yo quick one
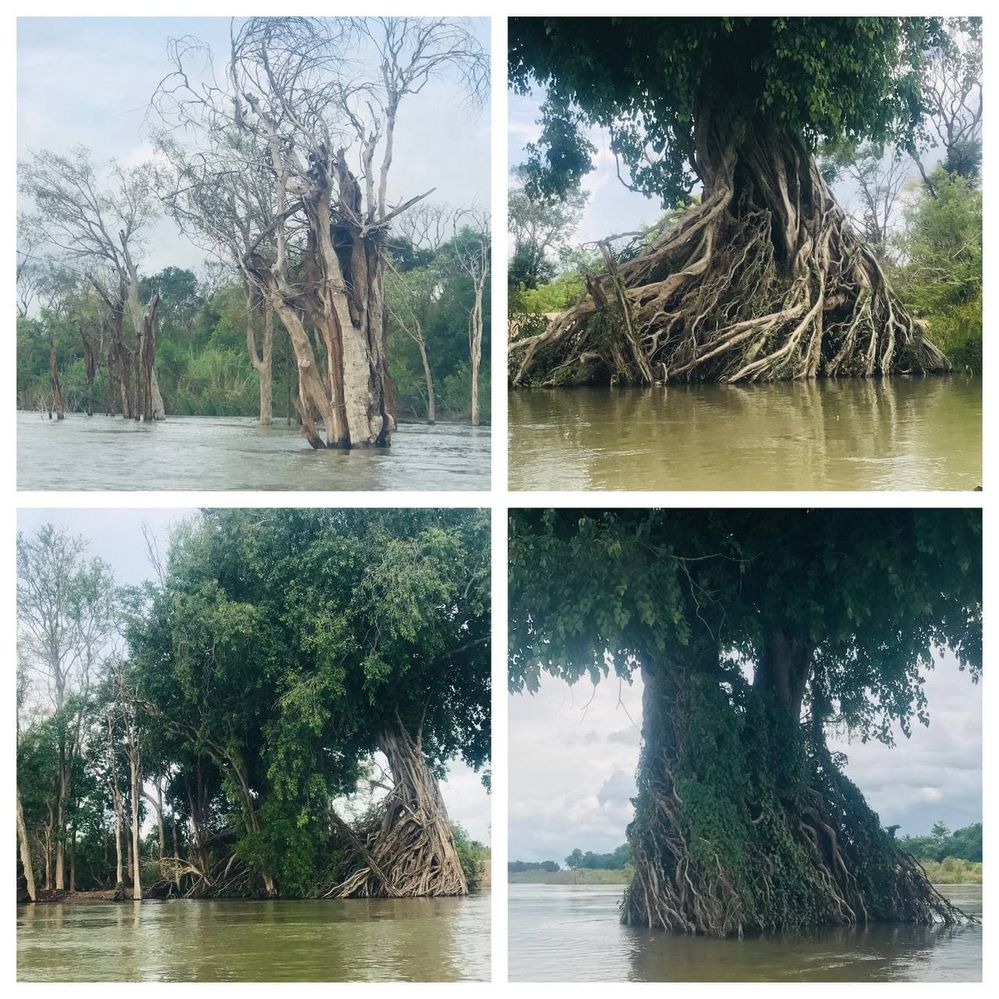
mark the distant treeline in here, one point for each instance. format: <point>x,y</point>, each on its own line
<point>202,361</point>
<point>524,866</point>
<point>578,861</point>
<point>940,843</point>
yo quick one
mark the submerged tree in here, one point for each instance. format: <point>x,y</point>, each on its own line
<point>287,165</point>
<point>753,632</point>
<point>282,650</point>
<point>761,277</point>
<point>100,226</point>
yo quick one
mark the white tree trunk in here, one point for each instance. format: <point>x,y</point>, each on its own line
<point>24,846</point>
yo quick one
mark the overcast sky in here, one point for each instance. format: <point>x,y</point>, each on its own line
<point>88,81</point>
<point>574,752</point>
<point>116,536</point>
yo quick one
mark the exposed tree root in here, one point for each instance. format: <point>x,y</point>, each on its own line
<point>769,835</point>
<point>408,850</point>
<point>763,280</point>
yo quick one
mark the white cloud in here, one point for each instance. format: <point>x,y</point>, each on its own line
<point>574,751</point>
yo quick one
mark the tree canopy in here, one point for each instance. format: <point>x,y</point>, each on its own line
<point>651,80</point>
<point>274,657</point>
<point>871,594</point>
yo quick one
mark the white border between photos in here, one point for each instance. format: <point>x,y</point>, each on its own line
<point>499,498</point>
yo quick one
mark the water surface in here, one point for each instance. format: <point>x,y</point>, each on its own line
<point>572,933</point>
<point>857,433</point>
<point>416,939</point>
<point>200,452</point>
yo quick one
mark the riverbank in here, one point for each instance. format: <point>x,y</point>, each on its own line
<point>596,876</point>
<point>953,871</point>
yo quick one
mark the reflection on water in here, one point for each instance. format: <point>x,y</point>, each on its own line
<point>901,433</point>
<point>443,939</point>
<point>195,452</point>
<point>572,933</point>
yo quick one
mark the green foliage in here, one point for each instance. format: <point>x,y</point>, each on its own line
<point>426,290</point>
<point>653,79</point>
<point>202,363</point>
<point>541,227</point>
<point>752,630</point>
<point>524,866</point>
<point>941,279</point>
<point>556,296</point>
<point>542,874</point>
<point>614,861</point>
<point>871,593</point>
<point>474,857</point>
<point>285,642</point>
<point>941,843</point>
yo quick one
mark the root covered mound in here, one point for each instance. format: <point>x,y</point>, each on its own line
<point>749,825</point>
<point>409,849</point>
<point>763,280</point>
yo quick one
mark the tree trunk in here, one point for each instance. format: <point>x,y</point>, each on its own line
<point>429,379</point>
<point>60,819</point>
<point>262,362</point>
<point>159,818</point>
<point>57,404</point>
<point>344,303</point>
<point>134,767</point>
<point>24,846</point>
<point>48,851</point>
<point>72,851</point>
<point>119,810</point>
<point>744,821</point>
<point>475,346</point>
<point>412,852</point>
<point>90,369</point>
<point>144,322</point>
<point>152,405</point>
<point>763,279</point>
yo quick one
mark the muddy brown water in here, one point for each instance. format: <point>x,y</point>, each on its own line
<point>222,453</point>
<point>572,933</point>
<point>422,939</point>
<point>846,434</point>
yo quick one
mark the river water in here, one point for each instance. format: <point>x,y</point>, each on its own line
<point>572,933</point>
<point>849,434</point>
<point>197,452</point>
<point>419,939</point>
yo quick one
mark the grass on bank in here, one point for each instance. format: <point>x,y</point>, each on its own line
<point>953,871</point>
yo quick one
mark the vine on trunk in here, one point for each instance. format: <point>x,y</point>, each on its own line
<point>745,822</point>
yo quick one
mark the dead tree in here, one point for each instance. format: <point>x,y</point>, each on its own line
<point>96,225</point>
<point>287,164</point>
<point>954,95</point>
<point>472,249</point>
<point>262,359</point>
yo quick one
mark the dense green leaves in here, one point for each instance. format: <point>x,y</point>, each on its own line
<point>655,81</point>
<point>263,669</point>
<point>285,642</point>
<point>941,276</point>
<point>868,595</point>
